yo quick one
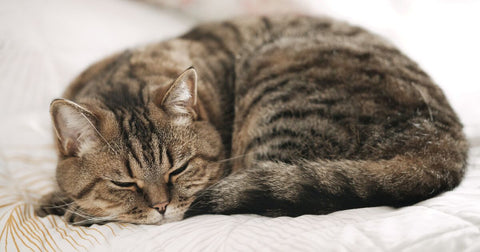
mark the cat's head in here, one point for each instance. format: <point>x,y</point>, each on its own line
<point>139,164</point>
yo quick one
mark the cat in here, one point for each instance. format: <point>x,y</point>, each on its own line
<point>278,116</point>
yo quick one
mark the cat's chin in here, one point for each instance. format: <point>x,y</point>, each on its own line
<point>152,218</point>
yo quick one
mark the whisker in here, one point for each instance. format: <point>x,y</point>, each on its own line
<point>88,219</point>
<point>93,220</point>
<point>55,206</point>
<point>84,215</point>
<point>101,136</point>
<point>233,158</point>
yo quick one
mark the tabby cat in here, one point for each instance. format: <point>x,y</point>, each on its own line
<point>281,115</point>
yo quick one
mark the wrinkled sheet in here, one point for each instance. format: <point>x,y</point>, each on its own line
<point>44,44</point>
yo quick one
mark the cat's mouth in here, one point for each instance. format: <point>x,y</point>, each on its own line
<point>153,217</point>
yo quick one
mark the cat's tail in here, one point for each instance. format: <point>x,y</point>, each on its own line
<point>321,186</point>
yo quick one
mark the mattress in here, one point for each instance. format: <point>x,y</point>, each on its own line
<point>44,44</point>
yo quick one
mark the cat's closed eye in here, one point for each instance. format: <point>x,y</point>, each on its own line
<point>178,171</point>
<point>124,184</point>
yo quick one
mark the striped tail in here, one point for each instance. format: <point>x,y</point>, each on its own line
<point>319,187</point>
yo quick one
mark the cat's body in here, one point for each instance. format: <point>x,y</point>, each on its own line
<point>294,115</point>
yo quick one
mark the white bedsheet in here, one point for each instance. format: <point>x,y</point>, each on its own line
<point>44,44</point>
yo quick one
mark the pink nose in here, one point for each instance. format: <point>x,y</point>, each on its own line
<point>161,207</point>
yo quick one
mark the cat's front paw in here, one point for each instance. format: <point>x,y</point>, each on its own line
<point>58,204</point>
<point>54,203</point>
<point>74,216</point>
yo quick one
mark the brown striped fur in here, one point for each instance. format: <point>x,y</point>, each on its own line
<point>283,115</point>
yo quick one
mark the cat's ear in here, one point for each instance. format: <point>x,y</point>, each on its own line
<point>74,126</point>
<point>180,98</point>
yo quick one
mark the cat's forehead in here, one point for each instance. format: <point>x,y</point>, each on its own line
<point>149,141</point>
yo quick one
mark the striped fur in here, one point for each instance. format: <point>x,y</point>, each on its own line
<point>289,115</point>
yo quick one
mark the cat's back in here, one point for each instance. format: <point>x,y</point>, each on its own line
<point>309,88</point>
<point>337,89</point>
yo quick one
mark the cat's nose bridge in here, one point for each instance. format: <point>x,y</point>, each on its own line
<point>157,194</point>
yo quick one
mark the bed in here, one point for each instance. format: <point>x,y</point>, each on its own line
<point>44,44</point>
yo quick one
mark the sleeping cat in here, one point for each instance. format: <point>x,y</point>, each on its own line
<point>281,115</point>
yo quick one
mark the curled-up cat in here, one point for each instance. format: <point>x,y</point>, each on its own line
<point>281,115</point>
